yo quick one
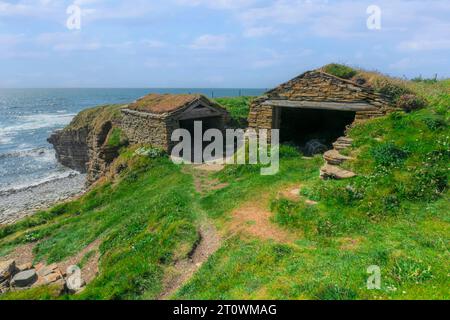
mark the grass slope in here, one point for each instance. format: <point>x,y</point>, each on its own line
<point>394,215</point>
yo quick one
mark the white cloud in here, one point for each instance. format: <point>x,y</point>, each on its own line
<point>218,4</point>
<point>256,32</point>
<point>210,42</point>
<point>425,45</point>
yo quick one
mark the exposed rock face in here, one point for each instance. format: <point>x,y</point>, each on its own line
<point>83,145</point>
<point>71,148</point>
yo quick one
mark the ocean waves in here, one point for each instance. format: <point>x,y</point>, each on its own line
<point>34,122</point>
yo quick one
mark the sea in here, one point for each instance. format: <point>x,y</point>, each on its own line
<point>29,116</point>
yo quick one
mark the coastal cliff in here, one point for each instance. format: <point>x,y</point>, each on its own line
<point>91,141</point>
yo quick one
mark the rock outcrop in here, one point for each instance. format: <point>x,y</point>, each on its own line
<point>71,148</point>
<point>84,145</point>
<point>28,276</point>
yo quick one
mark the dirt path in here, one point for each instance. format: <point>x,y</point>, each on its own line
<point>203,181</point>
<point>209,239</point>
<point>183,270</point>
<point>254,219</point>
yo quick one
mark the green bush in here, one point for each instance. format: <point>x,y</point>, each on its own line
<point>388,155</point>
<point>289,151</point>
<point>391,89</point>
<point>435,123</point>
<point>340,70</point>
<point>410,102</point>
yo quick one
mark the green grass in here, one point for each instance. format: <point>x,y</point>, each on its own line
<point>340,70</point>
<point>238,107</point>
<point>115,138</point>
<point>145,219</point>
<point>394,215</point>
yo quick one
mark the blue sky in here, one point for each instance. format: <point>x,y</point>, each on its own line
<point>215,43</point>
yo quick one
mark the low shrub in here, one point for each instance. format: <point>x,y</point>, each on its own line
<point>340,70</point>
<point>391,89</point>
<point>289,151</point>
<point>435,123</point>
<point>410,102</point>
<point>388,155</point>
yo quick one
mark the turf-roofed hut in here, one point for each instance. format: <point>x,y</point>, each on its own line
<point>153,118</point>
<point>316,105</point>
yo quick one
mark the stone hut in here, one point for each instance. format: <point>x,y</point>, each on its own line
<point>315,105</point>
<point>153,118</point>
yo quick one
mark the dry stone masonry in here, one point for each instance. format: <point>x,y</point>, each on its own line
<point>320,91</point>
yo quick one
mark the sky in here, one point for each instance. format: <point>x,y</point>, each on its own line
<point>215,43</point>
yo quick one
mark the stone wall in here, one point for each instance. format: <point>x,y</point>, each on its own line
<point>318,87</point>
<point>141,127</point>
<point>260,116</point>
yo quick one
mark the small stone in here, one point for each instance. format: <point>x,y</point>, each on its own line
<point>7,269</point>
<point>25,266</point>
<point>24,279</point>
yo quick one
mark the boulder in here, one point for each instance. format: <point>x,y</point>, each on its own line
<point>7,269</point>
<point>24,279</point>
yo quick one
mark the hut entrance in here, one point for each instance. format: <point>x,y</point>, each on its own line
<point>312,130</point>
<point>207,123</point>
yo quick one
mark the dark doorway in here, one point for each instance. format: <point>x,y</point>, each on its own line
<point>207,123</point>
<point>312,130</point>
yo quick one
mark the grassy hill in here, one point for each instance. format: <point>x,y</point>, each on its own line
<point>323,236</point>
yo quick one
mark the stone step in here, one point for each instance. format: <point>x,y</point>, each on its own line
<point>333,157</point>
<point>334,172</point>
<point>345,140</point>
<point>341,146</point>
<point>342,143</point>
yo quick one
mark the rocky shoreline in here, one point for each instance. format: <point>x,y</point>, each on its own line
<point>18,204</point>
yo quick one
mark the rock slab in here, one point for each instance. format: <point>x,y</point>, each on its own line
<point>24,279</point>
